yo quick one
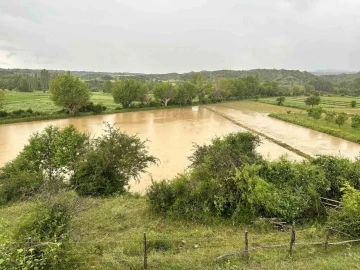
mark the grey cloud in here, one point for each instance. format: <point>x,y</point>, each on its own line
<point>165,36</point>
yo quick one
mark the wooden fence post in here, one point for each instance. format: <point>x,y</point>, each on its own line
<point>326,243</point>
<point>145,252</point>
<point>29,244</point>
<point>292,238</point>
<point>246,247</point>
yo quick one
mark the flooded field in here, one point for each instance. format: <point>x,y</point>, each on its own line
<point>171,134</point>
<point>307,140</point>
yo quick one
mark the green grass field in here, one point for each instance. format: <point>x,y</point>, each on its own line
<point>39,101</point>
<point>108,234</point>
<point>335,103</point>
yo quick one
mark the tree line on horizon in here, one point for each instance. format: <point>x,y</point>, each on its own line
<point>290,82</point>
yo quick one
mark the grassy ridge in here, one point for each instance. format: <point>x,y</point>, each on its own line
<point>108,233</point>
<point>345,132</point>
<point>39,101</point>
<point>336,103</point>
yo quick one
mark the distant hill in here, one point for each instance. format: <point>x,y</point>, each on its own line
<point>322,72</point>
<point>341,77</point>
<point>283,76</point>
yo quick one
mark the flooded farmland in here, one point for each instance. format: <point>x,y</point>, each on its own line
<point>171,134</point>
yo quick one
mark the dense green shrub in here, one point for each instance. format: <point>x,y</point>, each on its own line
<point>228,180</point>
<point>91,107</point>
<point>271,189</point>
<point>110,162</point>
<point>330,116</point>
<point>315,112</point>
<point>224,154</point>
<point>347,218</point>
<point>338,171</point>
<point>45,229</point>
<point>341,119</point>
<point>3,113</point>
<point>355,121</point>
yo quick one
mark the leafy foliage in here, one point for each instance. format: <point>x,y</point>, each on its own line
<point>347,219</point>
<point>330,116</point>
<point>355,121</point>
<point>107,86</point>
<point>228,181</point>
<point>341,118</point>
<point>312,100</point>
<point>315,112</point>
<point>280,100</point>
<point>164,92</point>
<point>185,93</point>
<point>225,154</point>
<point>43,163</point>
<point>69,92</point>
<point>126,91</point>
<point>112,161</point>
<point>2,98</point>
<point>45,229</point>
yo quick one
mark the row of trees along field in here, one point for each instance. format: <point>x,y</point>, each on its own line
<point>289,82</point>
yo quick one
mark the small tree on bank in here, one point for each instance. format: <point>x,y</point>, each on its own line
<point>341,119</point>
<point>353,103</point>
<point>69,92</point>
<point>280,100</point>
<point>355,121</point>
<point>312,100</point>
<point>315,112</point>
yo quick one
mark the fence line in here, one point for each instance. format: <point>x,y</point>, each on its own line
<point>293,242</point>
<point>146,244</point>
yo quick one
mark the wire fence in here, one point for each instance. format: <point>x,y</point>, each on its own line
<point>130,253</point>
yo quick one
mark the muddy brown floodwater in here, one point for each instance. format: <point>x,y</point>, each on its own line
<point>307,140</point>
<point>171,134</point>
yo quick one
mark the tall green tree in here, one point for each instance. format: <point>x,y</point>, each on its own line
<point>252,86</point>
<point>126,91</point>
<point>222,88</point>
<point>69,92</point>
<point>186,92</point>
<point>25,85</point>
<point>44,80</point>
<point>107,86</point>
<point>312,100</point>
<point>2,98</point>
<point>356,83</point>
<point>144,94</point>
<point>238,89</point>
<point>202,85</point>
<point>164,91</point>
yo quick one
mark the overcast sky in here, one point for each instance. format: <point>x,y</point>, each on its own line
<point>160,36</point>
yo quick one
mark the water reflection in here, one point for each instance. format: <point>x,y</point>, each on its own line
<point>170,134</point>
